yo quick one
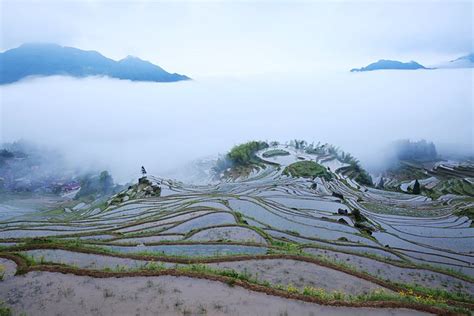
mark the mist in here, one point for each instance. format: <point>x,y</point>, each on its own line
<point>120,125</point>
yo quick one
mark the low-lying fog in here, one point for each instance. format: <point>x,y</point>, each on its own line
<point>121,125</point>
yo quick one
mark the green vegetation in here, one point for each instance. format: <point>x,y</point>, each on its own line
<point>455,186</point>
<point>244,154</point>
<point>298,144</point>
<point>415,150</point>
<point>96,185</point>
<point>407,294</point>
<point>440,294</point>
<point>405,171</point>
<point>240,218</point>
<point>359,174</point>
<point>416,187</point>
<point>307,169</point>
<point>141,218</point>
<point>353,171</point>
<point>275,152</point>
<point>468,212</point>
<point>358,217</point>
<point>4,310</point>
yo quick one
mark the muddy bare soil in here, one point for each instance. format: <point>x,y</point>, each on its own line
<point>45,293</point>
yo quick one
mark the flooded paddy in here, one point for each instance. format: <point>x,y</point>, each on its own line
<point>67,294</point>
<point>191,250</point>
<point>229,233</point>
<point>83,260</point>
<point>384,270</point>
<point>300,274</point>
<point>262,214</point>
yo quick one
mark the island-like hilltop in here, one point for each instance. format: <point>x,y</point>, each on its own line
<point>390,64</point>
<point>52,59</point>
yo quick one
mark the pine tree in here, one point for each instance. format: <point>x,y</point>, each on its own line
<point>143,171</point>
<point>416,187</point>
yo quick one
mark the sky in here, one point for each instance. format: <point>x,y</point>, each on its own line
<point>262,70</point>
<point>239,38</point>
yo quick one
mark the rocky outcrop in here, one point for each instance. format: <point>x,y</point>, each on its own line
<point>143,189</point>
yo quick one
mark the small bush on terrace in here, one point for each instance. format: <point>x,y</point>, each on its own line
<point>307,169</point>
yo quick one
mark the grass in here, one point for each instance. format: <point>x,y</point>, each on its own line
<point>307,169</point>
<point>439,294</point>
<point>468,212</point>
<point>275,152</point>
<point>5,310</point>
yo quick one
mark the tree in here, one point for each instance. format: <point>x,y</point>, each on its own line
<point>381,184</point>
<point>143,171</point>
<point>416,187</point>
<point>106,182</point>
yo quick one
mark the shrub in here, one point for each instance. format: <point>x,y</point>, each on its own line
<point>240,155</point>
<point>275,152</point>
<point>307,169</point>
<point>244,154</point>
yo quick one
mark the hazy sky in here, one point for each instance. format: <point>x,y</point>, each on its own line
<point>234,38</point>
<point>275,71</point>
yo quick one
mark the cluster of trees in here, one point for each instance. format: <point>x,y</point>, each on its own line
<point>417,151</point>
<point>358,173</point>
<point>298,144</point>
<point>96,185</point>
<point>244,154</point>
<point>240,155</point>
<point>361,175</point>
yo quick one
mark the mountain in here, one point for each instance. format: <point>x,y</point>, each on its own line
<point>390,64</point>
<point>461,62</point>
<point>52,59</point>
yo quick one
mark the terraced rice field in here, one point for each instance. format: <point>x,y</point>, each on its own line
<point>217,249</point>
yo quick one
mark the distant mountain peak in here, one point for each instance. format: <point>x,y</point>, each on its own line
<point>466,61</point>
<point>469,57</point>
<point>131,57</point>
<point>48,59</point>
<point>386,64</point>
